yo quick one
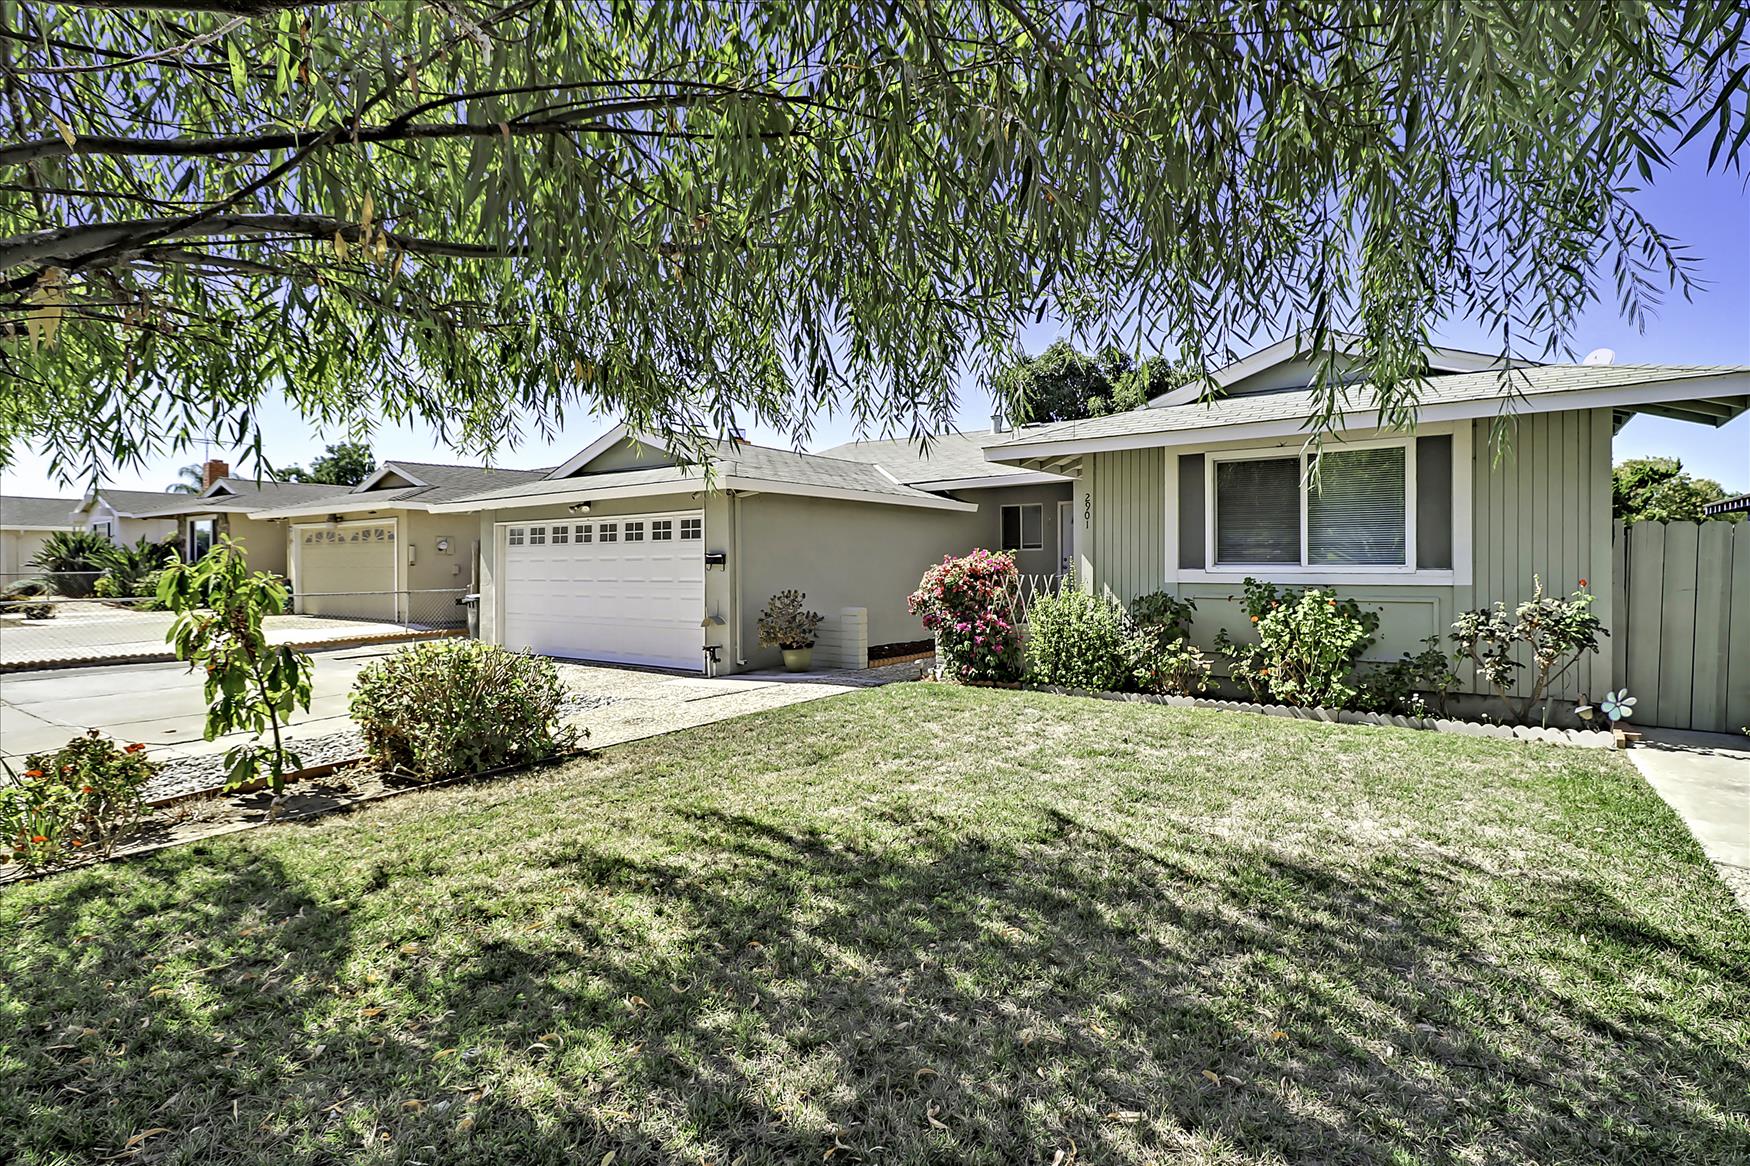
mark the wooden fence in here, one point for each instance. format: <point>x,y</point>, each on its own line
<point>1682,640</point>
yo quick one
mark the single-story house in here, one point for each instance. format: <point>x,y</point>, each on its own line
<point>1192,495</point>
<point>627,554</point>
<point>127,516</point>
<point>24,525</point>
<point>381,550</point>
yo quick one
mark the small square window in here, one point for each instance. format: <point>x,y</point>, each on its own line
<point>1023,527</point>
<point>515,537</point>
<point>561,535</point>
<point>662,530</point>
<point>537,536</point>
<point>692,528</point>
<point>634,532</point>
<point>610,532</point>
<point>585,532</point>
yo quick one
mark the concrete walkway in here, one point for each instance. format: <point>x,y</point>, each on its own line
<point>1705,777</point>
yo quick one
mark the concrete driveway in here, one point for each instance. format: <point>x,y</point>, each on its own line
<point>160,704</point>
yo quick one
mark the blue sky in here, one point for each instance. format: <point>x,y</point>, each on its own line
<point>1708,212</point>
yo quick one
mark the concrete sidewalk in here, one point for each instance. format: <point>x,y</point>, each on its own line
<point>1705,777</point>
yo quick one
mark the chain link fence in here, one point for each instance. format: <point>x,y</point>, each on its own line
<point>46,627</point>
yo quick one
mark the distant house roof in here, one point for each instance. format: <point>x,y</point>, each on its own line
<point>19,513</point>
<point>1737,505</point>
<point>426,484</point>
<point>732,465</point>
<point>1713,394</point>
<point>249,494</point>
<point>142,503</point>
<point>952,461</point>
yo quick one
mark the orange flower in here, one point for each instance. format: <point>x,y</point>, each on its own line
<point>87,789</point>
<point>134,748</point>
<point>1582,582</point>
<point>33,773</point>
<point>1254,619</point>
<point>39,838</point>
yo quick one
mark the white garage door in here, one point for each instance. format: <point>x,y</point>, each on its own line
<point>346,569</point>
<point>630,589</point>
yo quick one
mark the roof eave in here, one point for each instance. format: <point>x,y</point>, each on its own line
<point>1732,385</point>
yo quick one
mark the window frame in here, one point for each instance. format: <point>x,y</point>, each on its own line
<point>1021,525</point>
<point>211,525</point>
<point>1305,570</point>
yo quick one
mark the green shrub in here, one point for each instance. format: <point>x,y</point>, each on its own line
<point>1309,644</point>
<point>72,560</point>
<point>1167,616</point>
<point>87,796</point>
<point>1176,667</point>
<point>1414,685</point>
<point>1555,630</point>
<point>1079,640</point>
<point>135,572</point>
<point>453,707</point>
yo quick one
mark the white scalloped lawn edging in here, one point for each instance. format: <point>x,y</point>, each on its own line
<point>1572,738</point>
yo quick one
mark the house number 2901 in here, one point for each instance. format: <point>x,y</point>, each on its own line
<point>1088,511</point>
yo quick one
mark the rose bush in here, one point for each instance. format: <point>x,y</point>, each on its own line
<point>967,602</point>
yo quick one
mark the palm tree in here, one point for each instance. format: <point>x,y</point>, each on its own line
<point>189,480</point>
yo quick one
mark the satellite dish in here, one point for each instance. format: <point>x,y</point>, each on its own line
<point>1600,356</point>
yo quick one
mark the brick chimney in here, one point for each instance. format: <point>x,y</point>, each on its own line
<point>213,471</point>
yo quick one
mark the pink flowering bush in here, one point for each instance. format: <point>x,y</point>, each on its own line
<point>967,603</point>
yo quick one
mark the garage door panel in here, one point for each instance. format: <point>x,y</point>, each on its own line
<point>636,602</point>
<point>347,571</point>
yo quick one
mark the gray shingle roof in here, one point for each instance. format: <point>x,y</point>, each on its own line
<point>444,483</point>
<point>146,503</point>
<point>20,513</point>
<point>252,495</point>
<point>754,463</point>
<point>949,458</point>
<point>1300,403</point>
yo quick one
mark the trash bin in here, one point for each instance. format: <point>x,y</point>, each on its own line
<point>471,602</point>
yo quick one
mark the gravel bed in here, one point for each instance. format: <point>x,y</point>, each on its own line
<point>185,775</point>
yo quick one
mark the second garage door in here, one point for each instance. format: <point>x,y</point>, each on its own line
<point>346,569</point>
<point>629,589</point>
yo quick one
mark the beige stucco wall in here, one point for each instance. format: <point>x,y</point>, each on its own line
<point>1539,505</point>
<point>17,548</point>
<point>264,541</point>
<point>841,553</point>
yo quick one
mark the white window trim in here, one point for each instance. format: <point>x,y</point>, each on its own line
<point>1345,573</point>
<point>1021,524</point>
<point>211,521</point>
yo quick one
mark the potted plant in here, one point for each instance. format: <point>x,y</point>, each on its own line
<point>786,625</point>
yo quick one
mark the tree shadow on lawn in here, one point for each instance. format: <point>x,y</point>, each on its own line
<point>768,993</point>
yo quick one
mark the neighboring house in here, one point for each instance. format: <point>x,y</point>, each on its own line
<point>127,516</point>
<point>625,554</point>
<point>1195,496</point>
<point>379,550</point>
<point>24,524</point>
<point>1740,504</point>
<point>224,509</point>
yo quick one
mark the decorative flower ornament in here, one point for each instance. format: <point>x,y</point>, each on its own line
<point>1618,705</point>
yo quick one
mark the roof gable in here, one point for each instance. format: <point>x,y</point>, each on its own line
<point>1292,363</point>
<point>620,448</point>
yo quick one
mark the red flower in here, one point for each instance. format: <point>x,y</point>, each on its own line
<point>33,773</point>
<point>87,789</point>
<point>39,838</point>
<point>1582,582</point>
<point>134,748</point>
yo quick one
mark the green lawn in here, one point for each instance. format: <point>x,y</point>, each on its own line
<point>913,924</point>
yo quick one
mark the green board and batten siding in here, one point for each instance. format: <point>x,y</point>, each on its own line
<point>1540,506</point>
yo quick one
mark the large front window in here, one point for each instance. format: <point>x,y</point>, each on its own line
<point>1352,512</point>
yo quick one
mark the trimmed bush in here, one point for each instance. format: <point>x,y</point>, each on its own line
<point>1176,667</point>
<point>454,707</point>
<point>85,797</point>
<point>967,602</point>
<point>1556,631</point>
<point>1080,640</point>
<point>1166,616</point>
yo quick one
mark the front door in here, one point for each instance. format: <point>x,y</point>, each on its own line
<point>1066,538</point>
